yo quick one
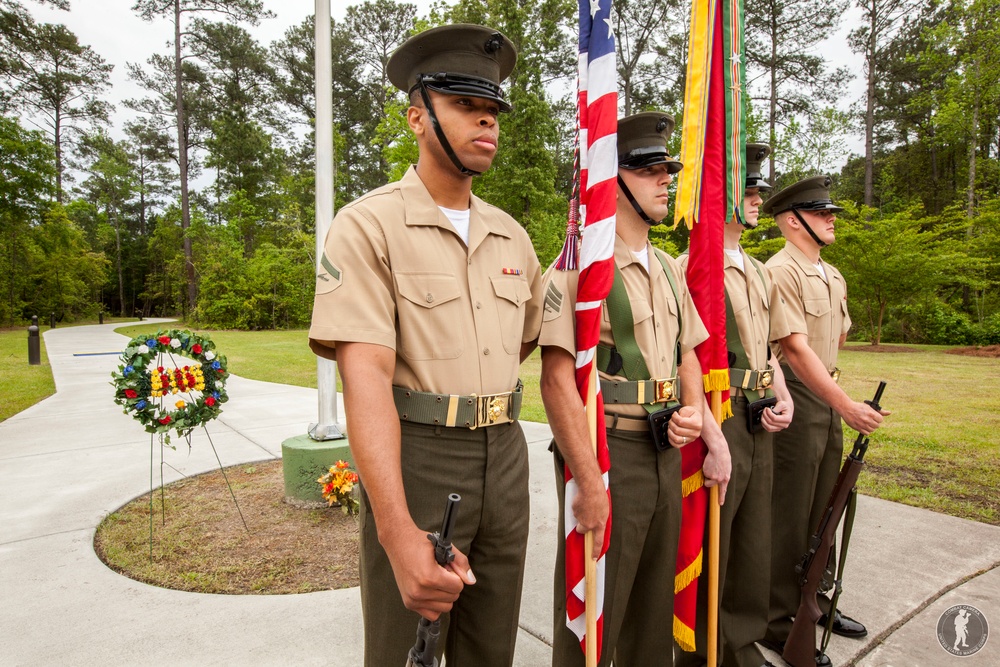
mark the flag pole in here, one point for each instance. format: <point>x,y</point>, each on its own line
<point>590,573</point>
<point>713,553</point>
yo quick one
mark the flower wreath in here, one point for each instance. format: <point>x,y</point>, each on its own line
<point>147,391</point>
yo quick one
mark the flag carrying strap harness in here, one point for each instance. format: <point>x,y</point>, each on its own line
<point>741,366</point>
<point>626,357</point>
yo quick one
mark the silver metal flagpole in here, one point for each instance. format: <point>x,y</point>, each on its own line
<point>326,370</point>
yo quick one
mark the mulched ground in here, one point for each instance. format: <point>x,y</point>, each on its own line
<point>992,351</point>
<point>203,546</point>
<point>882,348</point>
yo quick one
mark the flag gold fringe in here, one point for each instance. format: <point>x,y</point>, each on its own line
<point>684,636</point>
<point>716,380</point>
<point>692,483</point>
<point>688,575</point>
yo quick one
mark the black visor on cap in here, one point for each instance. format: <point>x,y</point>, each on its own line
<point>640,158</point>
<point>818,205</point>
<point>757,181</point>
<point>450,83</point>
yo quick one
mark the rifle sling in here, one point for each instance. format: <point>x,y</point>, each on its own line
<point>845,540</point>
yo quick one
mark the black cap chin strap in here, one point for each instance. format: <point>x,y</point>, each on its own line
<point>808,228</point>
<point>440,134</point>
<point>638,209</point>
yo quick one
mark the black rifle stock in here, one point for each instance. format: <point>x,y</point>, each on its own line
<point>428,632</point>
<point>800,647</point>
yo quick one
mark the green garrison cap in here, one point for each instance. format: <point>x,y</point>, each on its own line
<point>460,59</point>
<point>755,158</point>
<point>810,194</point>
<point>642,141</point>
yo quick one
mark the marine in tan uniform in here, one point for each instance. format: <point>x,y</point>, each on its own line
<point>645,484</point>
<point>429,298</point>
<point>807,455</point>
<point>745,494</point>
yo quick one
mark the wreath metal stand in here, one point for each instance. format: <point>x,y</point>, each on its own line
<point>139,390</point>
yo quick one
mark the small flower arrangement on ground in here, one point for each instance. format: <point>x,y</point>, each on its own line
<point>338,487</point>
<point>164,394</point>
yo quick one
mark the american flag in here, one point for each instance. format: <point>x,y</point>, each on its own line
<point>598,114</point>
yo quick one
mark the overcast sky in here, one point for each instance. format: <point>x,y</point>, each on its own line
<point>119,36</point>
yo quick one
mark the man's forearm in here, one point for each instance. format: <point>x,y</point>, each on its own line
<point>808,368</point>
<point>567,416</point>
<point>373,426</point>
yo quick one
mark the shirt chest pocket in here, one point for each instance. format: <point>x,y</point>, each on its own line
<point>817,317</point>
<point>512,293</point>
<point>429,311</point>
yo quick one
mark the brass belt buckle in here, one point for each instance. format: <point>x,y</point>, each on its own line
<point>766,379</point>
<point>666,390</point>
<point>835,374</point>
<point>493,409</point>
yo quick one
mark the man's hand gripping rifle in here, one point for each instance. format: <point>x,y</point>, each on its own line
<point>800,648</point>
<point>428,632</point>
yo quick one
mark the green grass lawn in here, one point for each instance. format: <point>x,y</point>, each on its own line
<point>940,449</point>
<point>24,385</point>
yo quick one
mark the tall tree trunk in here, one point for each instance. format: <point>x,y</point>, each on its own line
<point>118,264</point>
<point>773,102</point>
<point>870,107</point>
<point>970,210</point>
<point>57,136</point>
<point>182,162</point>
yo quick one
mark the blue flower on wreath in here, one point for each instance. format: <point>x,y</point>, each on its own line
<point>128,369</point>
<point>151,343</point>
<point>140,405</point>
<point>215,395</point>
<point>216,365</point>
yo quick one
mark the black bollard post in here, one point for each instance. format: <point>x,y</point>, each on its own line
<point>52,320</point>
<point>34,343</point>
<point>100,317</point>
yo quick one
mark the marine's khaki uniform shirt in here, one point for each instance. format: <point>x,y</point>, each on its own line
<point>396,273</point>
<point>811,305</point>
<point>654,313</point>
<point>756,317</point>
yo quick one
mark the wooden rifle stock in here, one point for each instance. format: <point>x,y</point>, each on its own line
<point>800,647</point>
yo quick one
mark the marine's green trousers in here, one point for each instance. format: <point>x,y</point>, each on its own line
<point>639,576</point>
<point>488,467</point>
<point>807,459</point>
<point>744,550</point>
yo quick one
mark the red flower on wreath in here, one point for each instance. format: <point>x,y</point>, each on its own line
<point>210,401</point>
<point>165,420</point>
<point>164,339</point>
<point>196,348</point>
<point>130,393</point>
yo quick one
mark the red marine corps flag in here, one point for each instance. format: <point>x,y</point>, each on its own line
<point>709,195</point>
<point>598,167</point>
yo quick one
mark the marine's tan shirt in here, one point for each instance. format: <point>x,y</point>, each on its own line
<point>811,305</point>
<point>395,273</point>
<point>756,317</point>
<point>654,313</point>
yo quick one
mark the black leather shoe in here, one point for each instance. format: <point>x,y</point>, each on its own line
<point>822,659</point>
<point>845,626</point>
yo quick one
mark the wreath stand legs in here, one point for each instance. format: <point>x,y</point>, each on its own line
<point>163,504</point>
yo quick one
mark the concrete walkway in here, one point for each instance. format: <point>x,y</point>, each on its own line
<point>68,461</point>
